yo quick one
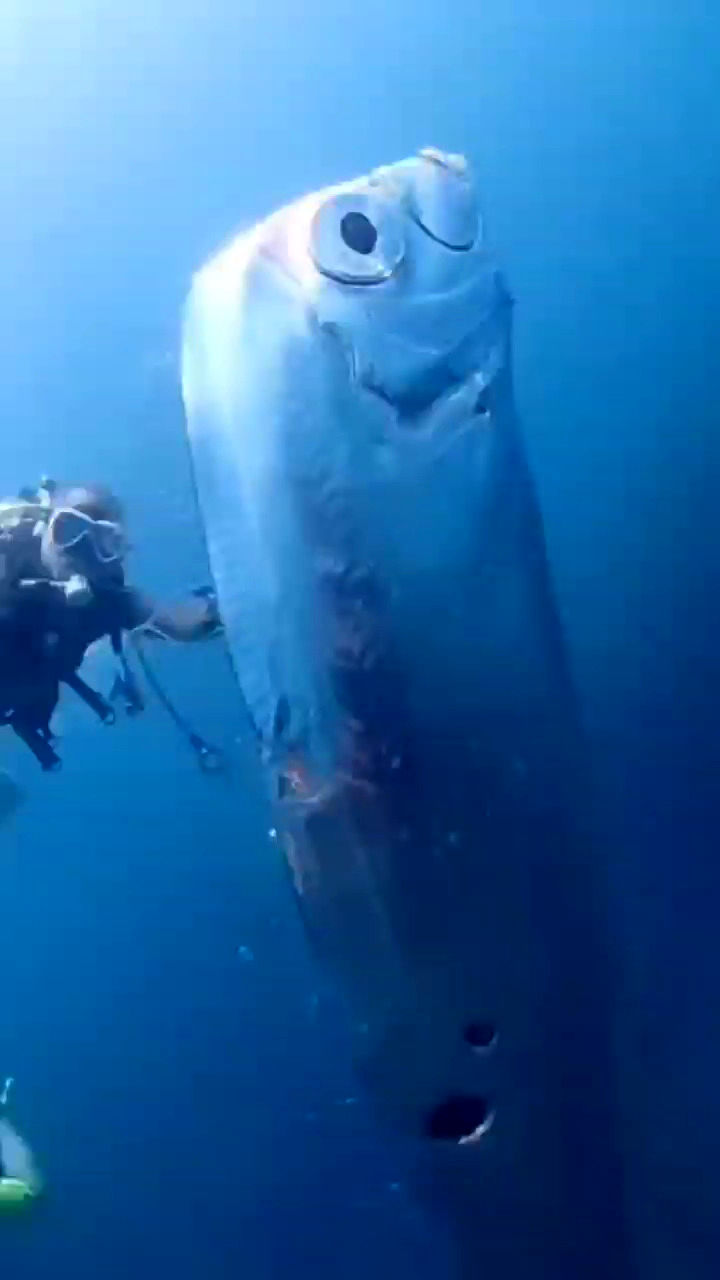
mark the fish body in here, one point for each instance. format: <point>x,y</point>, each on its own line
<point>378,552</point>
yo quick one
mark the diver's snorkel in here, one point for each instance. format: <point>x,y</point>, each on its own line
<point>40,497</point>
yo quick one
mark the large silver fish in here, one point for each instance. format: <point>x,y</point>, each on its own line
<point>379,558</point>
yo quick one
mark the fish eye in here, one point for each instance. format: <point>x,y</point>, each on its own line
<point>443,201</point>
<point>358,232</point>
<point>356,238</point>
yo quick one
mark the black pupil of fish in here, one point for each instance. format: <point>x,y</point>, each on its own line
<point>358,233</point>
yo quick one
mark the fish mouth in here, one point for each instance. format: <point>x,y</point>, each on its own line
<point>454,386</point>
<point>414,406</point>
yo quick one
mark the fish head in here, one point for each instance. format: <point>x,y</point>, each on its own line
<point>366,324</point>
<point>392,268</point>
<point>342,371</point>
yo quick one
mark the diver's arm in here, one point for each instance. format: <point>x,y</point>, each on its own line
<point>191,620</point>
<point>75,589</point>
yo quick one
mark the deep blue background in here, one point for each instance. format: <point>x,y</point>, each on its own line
<point>191,1106</point>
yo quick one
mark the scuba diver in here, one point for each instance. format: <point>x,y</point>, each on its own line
<point>62,587</point>
<point>20,1182</point>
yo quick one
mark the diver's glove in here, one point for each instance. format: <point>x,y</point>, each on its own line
<point>212,625</point>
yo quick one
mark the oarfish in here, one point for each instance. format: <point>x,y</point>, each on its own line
<point>379,557</point>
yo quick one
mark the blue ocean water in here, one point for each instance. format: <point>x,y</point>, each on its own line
<point>181,1064</point>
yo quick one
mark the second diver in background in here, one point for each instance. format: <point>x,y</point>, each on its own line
<point>20,1182</point>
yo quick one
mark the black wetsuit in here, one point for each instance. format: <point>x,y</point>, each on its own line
<point>43,640</point>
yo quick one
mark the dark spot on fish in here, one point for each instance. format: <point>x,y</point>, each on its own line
<point>281,718</point>
<point>358,232</point>
<point>460,1118</point>
<point>480,1035</point>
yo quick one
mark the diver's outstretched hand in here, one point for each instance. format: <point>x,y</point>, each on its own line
<point>195,618</point>
<point>213,622</point>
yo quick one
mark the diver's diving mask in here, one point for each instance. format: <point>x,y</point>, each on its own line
<point>68,528</point>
